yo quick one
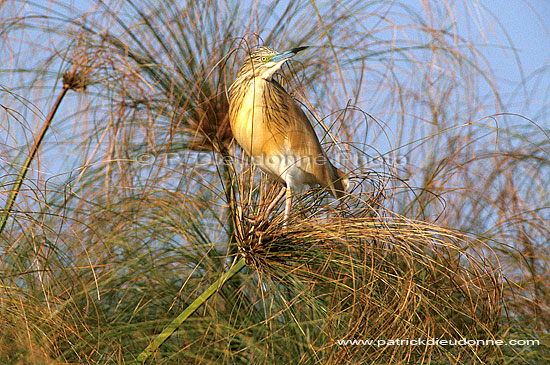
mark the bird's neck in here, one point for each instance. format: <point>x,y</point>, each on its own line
<point>257,85</point>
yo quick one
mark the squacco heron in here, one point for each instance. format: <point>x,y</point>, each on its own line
<point>273,130</point>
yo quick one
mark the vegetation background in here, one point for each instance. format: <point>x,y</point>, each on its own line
<point>124,196</point>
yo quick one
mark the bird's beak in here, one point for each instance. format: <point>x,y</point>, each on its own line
<point>283,56</point>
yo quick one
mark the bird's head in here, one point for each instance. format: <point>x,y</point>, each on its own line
<point>265,61</point>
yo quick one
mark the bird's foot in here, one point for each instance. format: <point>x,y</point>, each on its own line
<point>256,220</point>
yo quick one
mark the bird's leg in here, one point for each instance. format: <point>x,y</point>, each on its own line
<point>274,202</point>
<point>288,203</point>
<point>264,216</point>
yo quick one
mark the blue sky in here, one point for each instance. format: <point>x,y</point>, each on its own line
<point>527,29</point>
<point>530,36</point>
<point>525,23</point>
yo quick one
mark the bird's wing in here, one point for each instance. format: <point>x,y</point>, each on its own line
<point>287,119</point>
<point>300,139</point>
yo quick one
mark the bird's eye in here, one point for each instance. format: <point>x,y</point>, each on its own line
<point>263,59</point>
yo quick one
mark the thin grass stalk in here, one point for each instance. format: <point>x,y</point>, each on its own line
<point>34,149</point>
<point>229,191</point>
<point>178,321</point>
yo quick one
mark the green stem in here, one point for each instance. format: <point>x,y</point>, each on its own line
<point>28,160</point>
<point>174,325</point>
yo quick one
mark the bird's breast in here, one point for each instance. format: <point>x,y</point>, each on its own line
<point>277,135</point>
<point>252,125</point>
